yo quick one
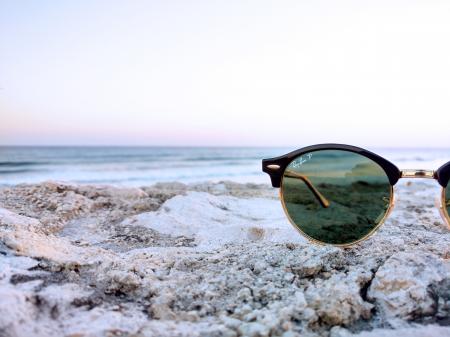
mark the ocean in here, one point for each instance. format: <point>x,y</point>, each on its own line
<point>140,166</point>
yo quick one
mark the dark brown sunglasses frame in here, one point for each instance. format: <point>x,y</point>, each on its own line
<point>276,168</point>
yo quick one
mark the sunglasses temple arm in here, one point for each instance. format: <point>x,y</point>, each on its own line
<point>319,196</point>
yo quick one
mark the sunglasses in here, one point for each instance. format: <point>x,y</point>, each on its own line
<point>341,194</point>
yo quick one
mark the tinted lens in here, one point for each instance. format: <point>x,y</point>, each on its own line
<point>335,196</point>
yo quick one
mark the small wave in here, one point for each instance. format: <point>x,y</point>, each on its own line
<point>19,163</point>
<point>17,171</point>
<point>401,159</point>
<point>206,158</point>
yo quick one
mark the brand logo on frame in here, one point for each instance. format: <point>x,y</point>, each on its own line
<point>302,160</point>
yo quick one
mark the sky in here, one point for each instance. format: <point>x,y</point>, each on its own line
<point>225,73</point>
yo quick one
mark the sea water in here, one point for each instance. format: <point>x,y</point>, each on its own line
<point>139,166</point>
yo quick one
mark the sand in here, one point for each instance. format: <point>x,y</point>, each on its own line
<point>212,259</point>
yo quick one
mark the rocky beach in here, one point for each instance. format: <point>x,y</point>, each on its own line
<point>212,259</point>
<point>150,149</point>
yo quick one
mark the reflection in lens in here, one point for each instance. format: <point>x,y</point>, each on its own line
<point>335,196</point>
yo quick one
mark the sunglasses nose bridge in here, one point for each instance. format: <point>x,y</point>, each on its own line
<point>424,174</point>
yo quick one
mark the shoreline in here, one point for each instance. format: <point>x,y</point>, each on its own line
<point>212,259</point>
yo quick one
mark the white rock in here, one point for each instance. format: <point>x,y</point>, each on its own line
<point>401,286</point>
<point>217,220</point>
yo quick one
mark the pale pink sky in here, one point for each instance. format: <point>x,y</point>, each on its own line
<point>282,73</point>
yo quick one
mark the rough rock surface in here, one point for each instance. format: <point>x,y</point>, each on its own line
<point>212,260</point>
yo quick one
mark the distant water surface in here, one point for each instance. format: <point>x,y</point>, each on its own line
<point>139,166</point>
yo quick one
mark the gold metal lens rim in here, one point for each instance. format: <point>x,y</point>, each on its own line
<point>444,210</point>
<point>344,245</point>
